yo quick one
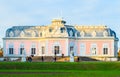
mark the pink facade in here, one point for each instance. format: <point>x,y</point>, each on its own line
<point>64,45</point>
<point>49,46</point>
<point>58,38</point>
<point>17,43</point>
<point>99,44</point>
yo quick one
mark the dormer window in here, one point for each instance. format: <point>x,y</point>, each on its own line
<point>50,30</point>
<point>78,34</point>
<point>62,30</point>
<point>33,34</point>
<point>41,34</point>
<point>71,33</point>
<point>105,33</point>
<point>93,34</point>
<point>11,34</point>
<point>82,34</point>
<point>22,34</point>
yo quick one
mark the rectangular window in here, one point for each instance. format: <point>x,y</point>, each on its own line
<point>82,49</point>
<point>33,51</point>
<point>43,50</point>
<point>105,48</point>
<point>71,48</point>
<point>21,51</point>
<point>40,34</point>
<point>94,49</point>
<point>56,49</point>
<point>62,29</point>
<point>105,51</point>
<point>10,51</point>
<point>50,30</point>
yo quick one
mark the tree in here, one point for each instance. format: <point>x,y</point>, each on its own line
<point>119,54</point>
<point>1,52</point>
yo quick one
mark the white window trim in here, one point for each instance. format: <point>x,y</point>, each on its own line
<point>83,44</point>
<point>105,45</point>
<point>82,33</point>
<point>22,46</point>
<point>44,50</point>
<point>42,44</point>
<point>33,46</point>
<point>94,45</point>
<point>11,45</point>
<point>60,49</point>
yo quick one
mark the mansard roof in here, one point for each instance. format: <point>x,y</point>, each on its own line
<point>58,28</point>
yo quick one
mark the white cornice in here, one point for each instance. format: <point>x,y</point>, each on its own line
<point>34,38</point>
<point>38,38</point>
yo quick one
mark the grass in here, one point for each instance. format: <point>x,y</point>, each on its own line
<point>61,69</point>
<point>60,66</point>
<point>72,74</point>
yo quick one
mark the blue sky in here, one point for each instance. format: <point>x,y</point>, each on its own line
<point>41,12</point>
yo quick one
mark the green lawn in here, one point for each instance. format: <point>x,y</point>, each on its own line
<point>60,69</point>
<point>70,74</point>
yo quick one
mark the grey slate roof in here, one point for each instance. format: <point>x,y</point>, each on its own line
<point>72,31</point>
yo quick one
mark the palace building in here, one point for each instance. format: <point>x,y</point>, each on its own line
<point>60,39</point>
